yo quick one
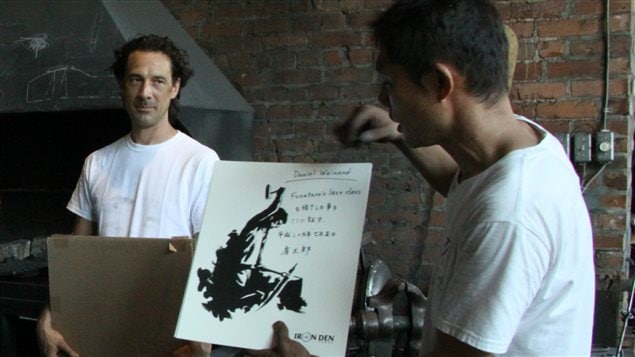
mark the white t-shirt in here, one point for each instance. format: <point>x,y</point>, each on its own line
<point>133,190</point>
<point>515,274</point>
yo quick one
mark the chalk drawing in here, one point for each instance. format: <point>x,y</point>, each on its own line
<point>94,33</point>
<point>35,43</point>
<point>54,83</point>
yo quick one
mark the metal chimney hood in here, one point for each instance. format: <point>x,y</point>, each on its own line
<point>55,56</point>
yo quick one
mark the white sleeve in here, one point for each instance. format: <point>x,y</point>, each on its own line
<point>499,270</point>
<point>200,190</point>
<point>80,203</point>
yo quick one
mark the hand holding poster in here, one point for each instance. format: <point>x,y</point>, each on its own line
<point>279,241</point>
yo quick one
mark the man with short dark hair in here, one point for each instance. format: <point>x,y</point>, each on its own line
<point>152,182</point>
<point>514,273</point>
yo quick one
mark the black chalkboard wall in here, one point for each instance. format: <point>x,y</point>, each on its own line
<point>54,55</point>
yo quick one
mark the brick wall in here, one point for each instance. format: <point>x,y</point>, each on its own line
<point>304,65</point>
<point>559,81</point>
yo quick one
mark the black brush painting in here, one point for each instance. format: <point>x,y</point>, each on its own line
<point>240,280</point>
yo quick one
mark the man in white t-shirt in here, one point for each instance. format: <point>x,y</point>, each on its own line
<point>514,273</point>
<point>154,181</point>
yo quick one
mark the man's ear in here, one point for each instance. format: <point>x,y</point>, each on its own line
<point>176,86</point>
<point>444,80</point>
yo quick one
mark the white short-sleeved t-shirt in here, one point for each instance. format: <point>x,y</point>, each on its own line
<point>515,272</point>
<point>133,190</point>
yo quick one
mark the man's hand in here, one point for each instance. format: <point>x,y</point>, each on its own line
<point>282,345</point>
<point>368,124</point>
<point>51,342</point>
<point>193,349</point>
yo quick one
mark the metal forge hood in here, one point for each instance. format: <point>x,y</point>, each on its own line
<point>55,56</point>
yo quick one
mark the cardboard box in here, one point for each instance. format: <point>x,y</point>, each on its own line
<point>118,296</point>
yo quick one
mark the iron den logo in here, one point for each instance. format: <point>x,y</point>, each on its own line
<point>320,338</point>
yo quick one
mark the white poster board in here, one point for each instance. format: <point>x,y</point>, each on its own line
<point>279,241</point>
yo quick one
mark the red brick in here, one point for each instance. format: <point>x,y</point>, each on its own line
<point>555,126</point>
<point>300,7</point>
<point>621,6</point>
<point>616,180</point>
<point>585,125</point>
<point>282,60</point>
<point>367,39</point>
<point>278,112</point>
<point>527,109</point>
<point>377,4</point>
<point>588,7</point>
<point>270,94</point>
<point>296,95</point>
<point>308,58</point>
<point>306,23</point>
<point>537,10</point>
<point>567,109</point>
<point>192,15</point>
<point>584,88</point>
<point>554,48</point>
<point>332,21</point>
<point>333,58</point>
<point>361,20</point>
<point>345,75</point>
<point>361,56</point>
<point>609,222</point>
<point>614,241</point>
<point>340,5</point>
<point>523,29</point>
<point>620,45</point>
<point>537,90</point>
<point>323,92</point>
<point>620,127</point>
<point>293,77</point>
<point>221,29</point>
<point>299,111</point>
<point>608,261</point>
<point>615,201</point>
<point>620,22</point>
<point>526,52</point>
<point>249,79</point>
<point>270,25</point>
<point>272,7</point>
<point>527,71</point>
<point>359,91</point>
<point>336,39</point>
<point>234,10</point>
<point>505,10</point>
<point>238,60</point>
<point>586,47</point>
<point>620,65</point>
<point>575,27</point>
<point>284,40</point>
<point>574,69</point>
<point>619,106</point>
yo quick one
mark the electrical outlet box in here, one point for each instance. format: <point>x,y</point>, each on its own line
<point>604,148</point>
<point>582,147</point>
<point>565,140</point>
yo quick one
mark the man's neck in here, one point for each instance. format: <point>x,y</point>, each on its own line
<point>153,135</point>
<point>486,134</point>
